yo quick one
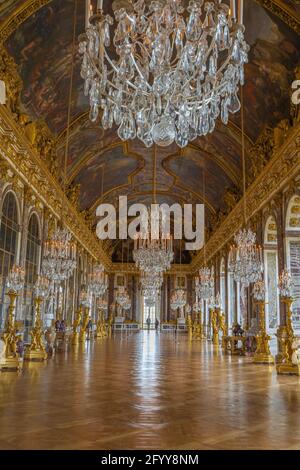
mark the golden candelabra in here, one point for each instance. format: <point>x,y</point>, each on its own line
<point>215,312</point>
<point>198,327</point>
<point>223,328</point>
<point>190,326</point>
<point>262,353</point>
<point>9,359</point>
<point>84,324</point>
<point>101,329</point>
<point>36,350</point>
<point>110,325</point>
<point>289,362</point>
<point>76,324</point>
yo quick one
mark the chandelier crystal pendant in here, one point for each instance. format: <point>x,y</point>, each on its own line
<point>245,259</point>
<point>204,284</point>
<point>162,72</point>
<point>59,260</point>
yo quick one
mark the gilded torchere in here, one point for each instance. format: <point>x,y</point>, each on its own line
<point>262,353</point>
<point>36,350</point>
<point>101,329</point>
<point>223,328</point>
<point>9,357</point>
<point>289,362</point>
<point>84,325</point>
<point>214,325</point>
<point>76,324</point>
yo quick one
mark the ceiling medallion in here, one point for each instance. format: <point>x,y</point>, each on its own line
<point>162,72</point>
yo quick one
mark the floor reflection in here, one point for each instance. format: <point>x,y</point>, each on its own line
<point>148,390</point>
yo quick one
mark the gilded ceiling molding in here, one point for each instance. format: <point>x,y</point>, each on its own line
<point>21,14</point>
<point>278,8</point>
<point>276,174</point>
<point>31,169</point>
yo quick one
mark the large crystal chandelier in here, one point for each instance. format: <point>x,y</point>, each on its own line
<point>59,260</point>
<point>245,259</point>
<point>98,280</point>
<point>162,72</point>
<point>204,284</point>
<point>153,249</point>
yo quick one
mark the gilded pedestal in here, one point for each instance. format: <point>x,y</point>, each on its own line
<point>36,350</point>
<point>262,354</point>
<point>9,357</point>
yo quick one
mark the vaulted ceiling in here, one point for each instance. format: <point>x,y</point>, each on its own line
<point>38,35</point>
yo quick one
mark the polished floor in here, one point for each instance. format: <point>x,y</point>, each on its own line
<point>148,391</point>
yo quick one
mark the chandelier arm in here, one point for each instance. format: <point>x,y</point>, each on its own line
<point>138,71</point>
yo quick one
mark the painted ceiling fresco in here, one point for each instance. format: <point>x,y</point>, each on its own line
<point>42,48</point>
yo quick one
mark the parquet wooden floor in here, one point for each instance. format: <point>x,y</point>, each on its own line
<point>148,391</point>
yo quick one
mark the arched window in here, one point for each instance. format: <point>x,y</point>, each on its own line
<point>8,233</point>
<point>32,250</point>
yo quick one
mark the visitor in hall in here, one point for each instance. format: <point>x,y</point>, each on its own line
<point>156,324</point>
<point>148,321</point>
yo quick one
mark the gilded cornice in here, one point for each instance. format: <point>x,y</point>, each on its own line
<point>27,164</point>
<point>19,16</point>
<point>284,166</point>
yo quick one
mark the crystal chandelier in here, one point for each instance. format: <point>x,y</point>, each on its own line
<point>197,307</point>
<point>286,284</point>
<point>122,297</point>
<point>85,298</point>
<point>102,304</point>
<point>204,284</point>
<point>178,299</point>
<point>59,259</point>
<point>151,283</point>
<point>153,249</point>
<point>259,290</point>
<point>98,281</point>
<point>41,287</point>
<point>245,259</point>
<point>15,279</point>
<point>165,73</point>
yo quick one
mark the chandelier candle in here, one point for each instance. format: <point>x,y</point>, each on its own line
<point>173,70</point>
